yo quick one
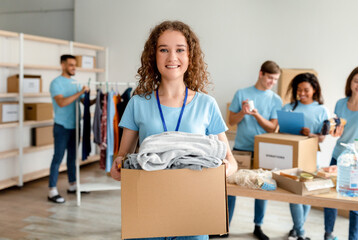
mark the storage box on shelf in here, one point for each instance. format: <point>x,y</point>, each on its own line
<point>38,59</point>
<point>38,111</point>
<point>31,84</point>
<point>9,112</point>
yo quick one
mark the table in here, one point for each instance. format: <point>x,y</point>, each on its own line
<point>330,200</point>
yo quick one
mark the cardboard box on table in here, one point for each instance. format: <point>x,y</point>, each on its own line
<point>316,186</point>
<point>173,202</point>
<point>9,112</point>
<point>38,111</point>
<point>243,159</point>
<point>42,136</point>
<point>32,84</point>
<point>285,151</point>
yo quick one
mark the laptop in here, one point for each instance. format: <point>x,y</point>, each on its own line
<point>290,122</point>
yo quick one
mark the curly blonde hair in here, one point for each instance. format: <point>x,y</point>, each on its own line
<point>195,78</point>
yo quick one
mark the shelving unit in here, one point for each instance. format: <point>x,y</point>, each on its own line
<point>16,56</point>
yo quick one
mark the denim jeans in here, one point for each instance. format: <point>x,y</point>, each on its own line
<point>63,139</point>
<point>299,214</point>
<point>200,237</point>
<point>260,209</point>
<point>330,215</point>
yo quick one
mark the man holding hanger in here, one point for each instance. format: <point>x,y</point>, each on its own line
<point>64,94</point>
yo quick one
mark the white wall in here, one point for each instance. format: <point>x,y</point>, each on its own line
<point>50,18</point>
<point>236,36</point>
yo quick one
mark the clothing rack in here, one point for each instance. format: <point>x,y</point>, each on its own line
<point>110,183</point>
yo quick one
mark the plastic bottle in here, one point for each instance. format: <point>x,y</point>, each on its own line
<point>347,176</point>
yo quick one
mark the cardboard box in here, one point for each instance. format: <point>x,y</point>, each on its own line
<point>284,151</point>
<point>86,62</point>
<point>42,136</point>
<point>285,79</point>
<point>9,112</point>
<point>316,186</point>
<point>31,84</point>
<point>243,159</point>
<point>38,111</point>
<point>173,202</point>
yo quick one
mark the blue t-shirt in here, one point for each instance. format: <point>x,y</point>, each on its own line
<point>65,116</point>
<point>266,102</point>
<point>314,115</point>
<point>201,115</point>
<point>350,132</point>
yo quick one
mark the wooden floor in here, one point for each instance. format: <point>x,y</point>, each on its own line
<point>26,214</point>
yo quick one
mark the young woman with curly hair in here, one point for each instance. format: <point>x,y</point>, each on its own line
<point>171,95</point>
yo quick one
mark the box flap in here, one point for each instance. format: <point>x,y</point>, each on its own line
<point>321,184</point>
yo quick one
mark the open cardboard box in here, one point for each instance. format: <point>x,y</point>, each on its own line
<point>243,159</point>
<point>173,202</point>
<point>316,186</point>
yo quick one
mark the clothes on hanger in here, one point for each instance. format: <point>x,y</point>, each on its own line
<point>86,135</point>
<point>98,118</point>
<point>110,131</point>
<point>102,161</point>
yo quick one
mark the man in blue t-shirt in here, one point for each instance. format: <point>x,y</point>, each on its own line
<point>64,95</point>
<point>253,110</point>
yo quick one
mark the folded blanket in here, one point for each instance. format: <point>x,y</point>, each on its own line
<point>177,150</point>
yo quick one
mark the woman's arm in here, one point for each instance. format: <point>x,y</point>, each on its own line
<point>231,164</point>
<point>128,145</point>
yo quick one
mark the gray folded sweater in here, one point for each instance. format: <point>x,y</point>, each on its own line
<point>175,150</point>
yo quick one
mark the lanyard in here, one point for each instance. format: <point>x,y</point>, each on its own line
<point>181,112</point>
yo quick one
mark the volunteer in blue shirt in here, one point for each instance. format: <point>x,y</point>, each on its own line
<point>171,95</point>
<point>64,95</point>
<point>346,108</point>
<point>306,97</point>
<point>262,119</point>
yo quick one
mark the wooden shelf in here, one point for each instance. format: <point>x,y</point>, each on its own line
<point>9,153</point>
<point>9,65</point>
<point>9,125</point>
<point>9,95</point>
<point>96,70</point>
<point>8,34</point>
<point>8,183</point>
<point>35,95</point>
<point>41,67</point>
<point>37,148</point>
<point>45,39</point>
<point>88,46</point>
<point>30,123</point>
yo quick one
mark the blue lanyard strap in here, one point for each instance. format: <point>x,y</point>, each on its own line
<point>181,112</point>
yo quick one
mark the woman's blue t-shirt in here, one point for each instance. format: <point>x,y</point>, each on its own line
<point>201,115</point>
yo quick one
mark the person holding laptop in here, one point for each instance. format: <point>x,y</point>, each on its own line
<point>306,97</point>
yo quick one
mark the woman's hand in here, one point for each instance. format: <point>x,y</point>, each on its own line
<point>305,131</point>
<point>116,168</point>
<point>338,131</point>
<point>230,168</point>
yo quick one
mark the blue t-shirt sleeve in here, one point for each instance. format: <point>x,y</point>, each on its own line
<point>235,105</point>
<point>277,105</point>
<point>128,118</point>
<point>217,124</point>
<point>56,89</point>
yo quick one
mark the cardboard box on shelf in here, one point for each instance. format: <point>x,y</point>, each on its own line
<point>284,81</point>
<point>284,151</point>
<point>315,186</point>
<point>32,84</point>
<point>38,111</point>
<point>41,136</point>
<point>243,159</point>
<point>88,62</point>
<point>173,202</point>
<point>231,128</point>
<point>9,112</point>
